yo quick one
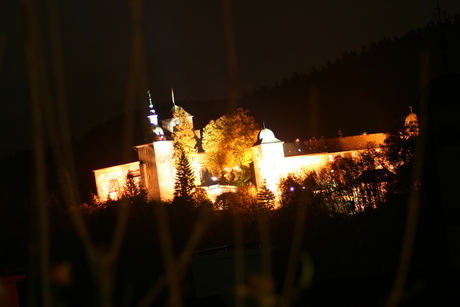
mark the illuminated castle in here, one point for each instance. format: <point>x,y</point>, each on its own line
<point>154,171</point>
<point>272,158</point>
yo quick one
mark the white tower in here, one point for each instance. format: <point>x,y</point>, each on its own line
<point>268,156</point>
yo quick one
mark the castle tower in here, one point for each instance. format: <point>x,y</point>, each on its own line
<point>268,156</point>
<point>169,123</point>
<point>158,132</point>
<point>157,169</point>
<point>156,162</point>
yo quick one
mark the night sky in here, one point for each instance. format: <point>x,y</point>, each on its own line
<point>185,48</point>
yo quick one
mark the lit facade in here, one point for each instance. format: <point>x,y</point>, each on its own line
<point>273,159</point>
<point>110,181</point>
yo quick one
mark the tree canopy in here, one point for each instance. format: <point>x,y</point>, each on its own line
<point>227,142</point>
<point>185,142</point>
<point>183,135</point>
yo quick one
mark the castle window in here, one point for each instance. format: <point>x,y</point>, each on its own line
<point>113,185</point>
<point>102,176</point>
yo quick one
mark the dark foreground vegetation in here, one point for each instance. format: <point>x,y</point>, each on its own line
<point>317,248</point>
<point>345,259</point>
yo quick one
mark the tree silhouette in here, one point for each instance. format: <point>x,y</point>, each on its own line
<point>265,197</point>
<point>133,191</point>
<point>185,178</point>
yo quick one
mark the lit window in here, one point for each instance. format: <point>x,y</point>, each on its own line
<point>102,177</point>
<point>113,185</point>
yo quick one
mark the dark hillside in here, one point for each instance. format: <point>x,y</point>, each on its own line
<point>366,91</point>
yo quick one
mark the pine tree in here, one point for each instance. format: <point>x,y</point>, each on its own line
<point>133,190</point>
<point>185,178</point>
<point>265,197</point>
<point>131,187</point>
<point>184,141</point>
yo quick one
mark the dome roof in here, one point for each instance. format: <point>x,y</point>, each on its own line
<point>410,119</point>
<point>267,136</point>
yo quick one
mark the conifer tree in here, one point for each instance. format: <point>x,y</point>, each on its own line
<point>185,178</point>
<point>133,191</point>
<point>131,187</point>
<point>265,197</point>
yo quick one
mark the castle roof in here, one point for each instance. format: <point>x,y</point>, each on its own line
<point>176,108</point>
<point>266,136</point>
<point>348,143</point>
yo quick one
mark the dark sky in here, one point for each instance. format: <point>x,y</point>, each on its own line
<point>185,49</point>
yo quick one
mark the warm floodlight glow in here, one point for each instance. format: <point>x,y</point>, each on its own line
<point>112,186</point>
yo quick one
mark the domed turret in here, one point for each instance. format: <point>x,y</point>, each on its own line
<point>411,123</point>
<point>266,136</point>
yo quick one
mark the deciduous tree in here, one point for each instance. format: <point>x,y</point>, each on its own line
<point>183,135</point>
<point>227,142</point>
<point>184,141</point>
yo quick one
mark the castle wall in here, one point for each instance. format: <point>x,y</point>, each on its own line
<point>110,181</point>
<point>347,143</point>
<point>271,163</point>
<point>165,169</point>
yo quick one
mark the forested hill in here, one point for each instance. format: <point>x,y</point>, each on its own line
<point>362,91</point>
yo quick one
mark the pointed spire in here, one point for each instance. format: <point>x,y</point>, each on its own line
<point>172,95</point>
<point>410,108</point>
<point>153,117</point>
<point>150,100</point>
